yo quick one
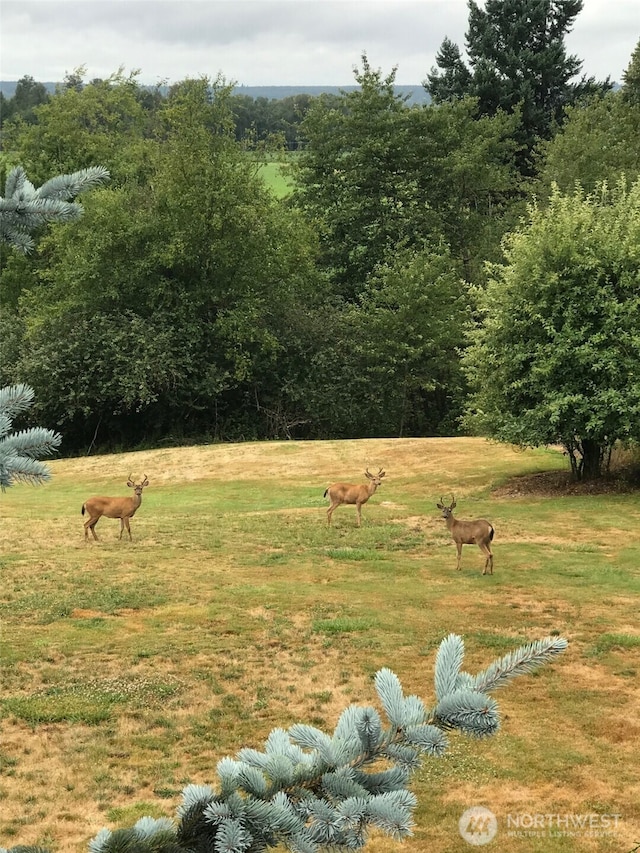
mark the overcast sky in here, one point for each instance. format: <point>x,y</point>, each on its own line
<point>269,42</point>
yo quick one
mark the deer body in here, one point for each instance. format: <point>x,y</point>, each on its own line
<point>479,532</point>
<point>122,508</point>
<point>348,493</point>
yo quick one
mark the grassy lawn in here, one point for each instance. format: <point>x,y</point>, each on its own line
<point>277,178</point>
<point>131,669</point>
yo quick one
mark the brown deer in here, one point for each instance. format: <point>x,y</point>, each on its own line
<point>347,493</point>
<point>122,508</point>
<point>479,532</point>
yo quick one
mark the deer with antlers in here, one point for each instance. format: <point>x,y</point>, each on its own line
<point>479,532</point>
<point>122,508</point>
<point>348,493</point>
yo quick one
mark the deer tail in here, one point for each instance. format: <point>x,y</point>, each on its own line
<point>491,535</point>
<point>82,509</point>
<point>326,492</point>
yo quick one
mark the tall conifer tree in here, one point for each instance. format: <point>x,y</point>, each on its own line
<point>517,61</point>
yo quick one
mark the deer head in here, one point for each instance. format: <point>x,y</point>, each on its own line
<point>137,487</point>
<point>447,511</point>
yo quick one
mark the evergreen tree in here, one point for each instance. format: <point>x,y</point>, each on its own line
<point>311,791</point>
<point>631,79</point>
<point>518,62</point>
<point>24,209</point>
<point>19,451</point>
<point>27,96</point>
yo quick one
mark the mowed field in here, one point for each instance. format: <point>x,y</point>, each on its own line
<point>129,669</point>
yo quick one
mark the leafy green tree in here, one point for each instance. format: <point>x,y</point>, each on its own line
<point>556,359</point>
<point>172,293</point>
<point>350,177</point>
<point>20,452</point>
<point>101,122</point>
<point>462,166</point>
<point>388,365</point>
<point>598,141</point>
<point>310,791</point>
<point>75,79</point>
<point>24,209</point>
<point>96,371</point>
<point>376,177</point>
<point>518,63</point>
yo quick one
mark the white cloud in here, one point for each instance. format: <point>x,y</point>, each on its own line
<point>269,42</point>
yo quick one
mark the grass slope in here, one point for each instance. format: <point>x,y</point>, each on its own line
<point>130,669</point>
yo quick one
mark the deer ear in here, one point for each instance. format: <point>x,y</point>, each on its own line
<point>439,506</point>
<point>452,505</point>
<point>130,484</point>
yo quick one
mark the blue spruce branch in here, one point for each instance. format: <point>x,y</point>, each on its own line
<point>19,451</point>
<point>311,791</point>
<point>23,208</point>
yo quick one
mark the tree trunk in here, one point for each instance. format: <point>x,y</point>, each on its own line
<point>591,463</point>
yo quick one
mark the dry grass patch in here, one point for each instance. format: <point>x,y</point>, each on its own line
<point>235,609</point>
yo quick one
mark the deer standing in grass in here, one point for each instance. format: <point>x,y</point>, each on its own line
<point>122,508</point>
<point>347,493</point>
<point>479,532</point>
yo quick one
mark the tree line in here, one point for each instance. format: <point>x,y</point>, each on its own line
<point>467,265</point>
<point>260,122</point>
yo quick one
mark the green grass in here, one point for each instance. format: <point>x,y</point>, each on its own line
<point>50,709</point>
<point>615,642</point>
<point>131,669</point>
<point>341,625</point>
<point>276,177</point>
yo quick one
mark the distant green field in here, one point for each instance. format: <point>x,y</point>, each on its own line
<point>277,178</point>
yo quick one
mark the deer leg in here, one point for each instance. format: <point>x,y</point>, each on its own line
<point>459,549</point>
<point>126,524</point>
<point>90,525</point>
<point>488,563</point>
<point>330,513</point>
<point>359,509</point>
